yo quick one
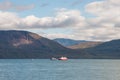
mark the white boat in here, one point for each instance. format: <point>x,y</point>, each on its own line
<point>53,58</point>
<point>63,58</point>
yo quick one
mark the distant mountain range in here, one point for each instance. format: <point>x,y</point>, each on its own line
<point>25,45</point>
<point>68,42</point>
<point>84,45</point>
<point>110,49</point>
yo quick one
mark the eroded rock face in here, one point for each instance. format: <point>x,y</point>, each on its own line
<point>21,42</point>
<point>26,39</point>
<point>18,38</point>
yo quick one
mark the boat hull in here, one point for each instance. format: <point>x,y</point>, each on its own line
<point>63,58</point>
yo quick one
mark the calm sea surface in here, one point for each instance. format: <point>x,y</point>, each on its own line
<point>45,69</point>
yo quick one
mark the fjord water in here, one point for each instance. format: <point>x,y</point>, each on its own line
<point>73,69</point>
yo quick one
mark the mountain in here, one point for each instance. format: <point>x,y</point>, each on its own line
<point>23,44</point>
<point>27,45</point>
<point>84,45</point>
<point>68,42</point>
<point>110,49</point>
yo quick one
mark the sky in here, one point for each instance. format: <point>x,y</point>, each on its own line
<point>95,20</point>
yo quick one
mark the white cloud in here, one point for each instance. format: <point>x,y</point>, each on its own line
<point>104,8</point>
<point>8,20</point>
<point>107,11</point>
<point>58,35</point>
<point>62,18</point>
<point>7,5</point>
<point>98,33</point>
<point>105,26</point>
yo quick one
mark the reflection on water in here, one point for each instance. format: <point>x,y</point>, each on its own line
<point>45,69</point>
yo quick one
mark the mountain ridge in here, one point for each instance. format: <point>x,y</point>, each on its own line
<point>110,49</point>
<point>27,45</point>
<point>68,42</point>
<point>24,44</point>
<point>85,45</point>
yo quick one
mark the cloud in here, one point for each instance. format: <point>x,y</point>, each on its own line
<point>105,26</point>
<point>8,20</point>
<point>63,18</point>
<point>7,5</point>
<point>97,33</point>
<point>91,34</point>
<point>107,12</point>
<point>58,35</point>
